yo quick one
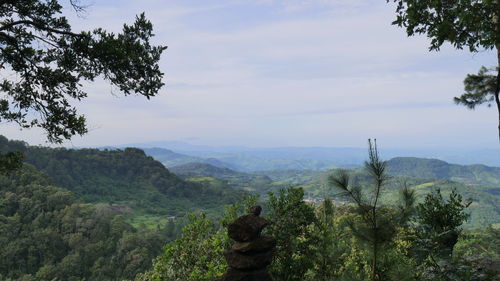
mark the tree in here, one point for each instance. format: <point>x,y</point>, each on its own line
<point>468,24</point>
<point>292,220</point>
<point>331,245</point>
<point>196,256</point>
<point>10,161</point>
<point>374,225</point>
<point>50,62</point>
<point>441,220</point>
<point>47,234</point>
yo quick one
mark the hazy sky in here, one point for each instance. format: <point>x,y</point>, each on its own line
<point>284,73</point>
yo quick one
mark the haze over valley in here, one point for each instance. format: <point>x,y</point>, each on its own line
<point>255,140</point>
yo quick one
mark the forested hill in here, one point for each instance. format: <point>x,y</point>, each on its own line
<point>246,161</point>
<point>87,171</point>
<point>128,177</point>
<point>238,180</point>
<point>208,170</point>
<point>46,234</point>
<point>437,169</point>
<point>170,158</point>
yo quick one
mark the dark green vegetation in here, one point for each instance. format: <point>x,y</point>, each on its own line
<point>51,62</point>
<point>464,24</point>
<point>383,237</point>
<point>201,238</point>
<point>45,64</point>
<point>46,234</point>
<point>376,225</point>
<point>109,216</point>
<point>238,180</point>
<point>126,178</point>
<point>436,169</point>
<point>477,182</point>
<point>107,219</point>
<point>324,243</point>
<point>291,219</point>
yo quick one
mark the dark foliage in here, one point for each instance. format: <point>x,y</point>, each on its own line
<point>464,24</point>
<point>124,177</point>
<point>46,235</point>
<point>52,61</point>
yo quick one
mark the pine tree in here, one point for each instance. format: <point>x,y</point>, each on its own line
<point>375,225</point>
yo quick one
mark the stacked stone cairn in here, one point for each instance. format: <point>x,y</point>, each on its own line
<point>252,252</point>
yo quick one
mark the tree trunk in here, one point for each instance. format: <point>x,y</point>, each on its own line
<point>497,88</point>
<point>374,262</point>
<point>497,85</point>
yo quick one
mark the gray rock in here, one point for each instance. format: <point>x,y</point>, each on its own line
<point>246,228</point>
<point>238,275</point>
<point>239,260</point>
<point>256,210</point>
<point>251,253</point>
<point>260,244</point>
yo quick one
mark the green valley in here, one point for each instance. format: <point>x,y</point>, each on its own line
<point>475,182</point>
<point>110,210</point>
<point>239,140</point>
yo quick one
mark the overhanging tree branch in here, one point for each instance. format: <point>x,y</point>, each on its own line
<point>464,24</point>
<point>57,67</point>
<point>38,26</point>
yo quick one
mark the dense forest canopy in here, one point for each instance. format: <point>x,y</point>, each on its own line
<point>46,234</point>
<point>131,195</point>
<point>108,218</point>
<point>125,177</point>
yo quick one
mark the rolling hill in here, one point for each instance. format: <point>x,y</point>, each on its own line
<point>239,180</point>
<point>319,158</point>
<point>437,169</point>
<point>170,158</point>
<point>123,177</point>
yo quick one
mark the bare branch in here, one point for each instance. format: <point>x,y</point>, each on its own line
<point>79,8</point>
<point>46,41</point>
<point>38,26</point>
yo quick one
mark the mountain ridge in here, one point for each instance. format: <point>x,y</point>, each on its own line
<point>321,157</point>
<point>438,169</point>
<point>127,177</point>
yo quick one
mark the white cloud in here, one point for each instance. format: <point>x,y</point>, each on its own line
<point>311,72</point>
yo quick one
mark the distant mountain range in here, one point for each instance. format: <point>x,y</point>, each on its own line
<point>246,162</point>
<point>239,180</point>
<point>130,178</point>
<point>411,167</point>
<point>478,182</point>
<point>300,158</point>
<point>437,169</point>
<point>210,170</point>
<point>170,158</point>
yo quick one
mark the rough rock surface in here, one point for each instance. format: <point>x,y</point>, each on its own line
<point>256,210</point>
<point>260,244</point>
<point>246,228</point>
<point>252,253</point>
<point>239,275</point>
<point>239,260</point>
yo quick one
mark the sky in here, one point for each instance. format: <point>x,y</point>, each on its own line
<point>267,73</point>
